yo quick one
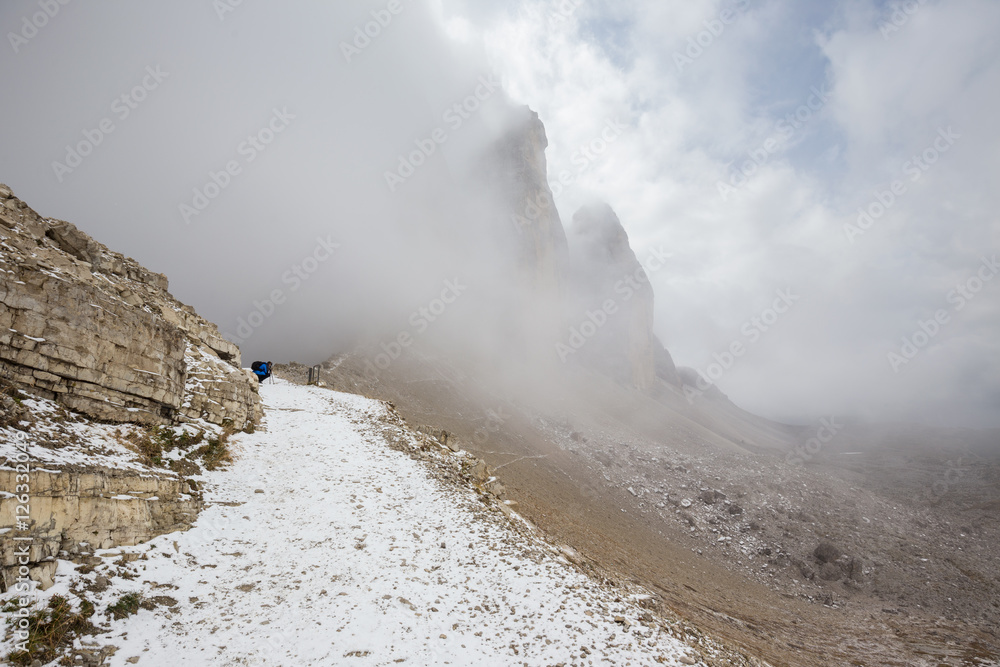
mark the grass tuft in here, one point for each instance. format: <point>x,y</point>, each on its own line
<point>216,453</point>
<point>51,629</point>
<point>127,605</point>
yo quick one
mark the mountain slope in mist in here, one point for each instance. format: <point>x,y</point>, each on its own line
<point>553,376</point>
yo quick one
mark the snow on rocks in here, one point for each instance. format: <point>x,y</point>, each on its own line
<point>355,554</point>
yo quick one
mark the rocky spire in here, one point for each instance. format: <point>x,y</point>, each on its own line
<point>523,180</point>
<point>608,278</point>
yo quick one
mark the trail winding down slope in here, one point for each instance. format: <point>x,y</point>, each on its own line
<point>325,546</point>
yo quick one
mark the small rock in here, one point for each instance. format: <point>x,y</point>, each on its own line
<point>806,571</point>
<point>259,491</point>
<point>479,471</point>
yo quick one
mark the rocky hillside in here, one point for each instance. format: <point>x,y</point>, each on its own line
<point>818,559</point>
<point>100,334</point>
<point>108,385</point>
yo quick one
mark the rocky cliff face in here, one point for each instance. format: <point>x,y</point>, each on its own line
<point>611,287</point>
<point>100,334</point>
<point>521,174</point>
<point>568,275</point>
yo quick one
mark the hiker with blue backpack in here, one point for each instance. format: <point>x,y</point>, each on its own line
<point>262,369</point>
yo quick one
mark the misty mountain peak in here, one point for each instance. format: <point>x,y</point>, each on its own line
<point>598,234</point>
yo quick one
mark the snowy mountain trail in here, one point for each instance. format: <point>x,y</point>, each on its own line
<point>322,545</point>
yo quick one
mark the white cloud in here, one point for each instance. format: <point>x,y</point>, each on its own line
<point>686,127</point>
<point>689,129</point>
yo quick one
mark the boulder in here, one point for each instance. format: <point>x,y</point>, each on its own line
<point>826,552</point>
<point>710,496</point>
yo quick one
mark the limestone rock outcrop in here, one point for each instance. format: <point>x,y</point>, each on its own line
<point>99,509</point>
<point>100,334</point>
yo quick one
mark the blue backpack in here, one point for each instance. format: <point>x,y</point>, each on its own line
<point>262,369</point>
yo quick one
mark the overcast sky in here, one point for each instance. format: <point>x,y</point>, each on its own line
<point>742,136</point>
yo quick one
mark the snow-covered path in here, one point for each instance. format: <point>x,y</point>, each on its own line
<point>323,546</point>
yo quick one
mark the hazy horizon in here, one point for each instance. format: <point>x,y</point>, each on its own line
<point>820,174</point>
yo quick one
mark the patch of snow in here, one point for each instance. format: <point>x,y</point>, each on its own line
<point>355,555</point>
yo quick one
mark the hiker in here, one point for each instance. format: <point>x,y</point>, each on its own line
<point>262,369</point>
